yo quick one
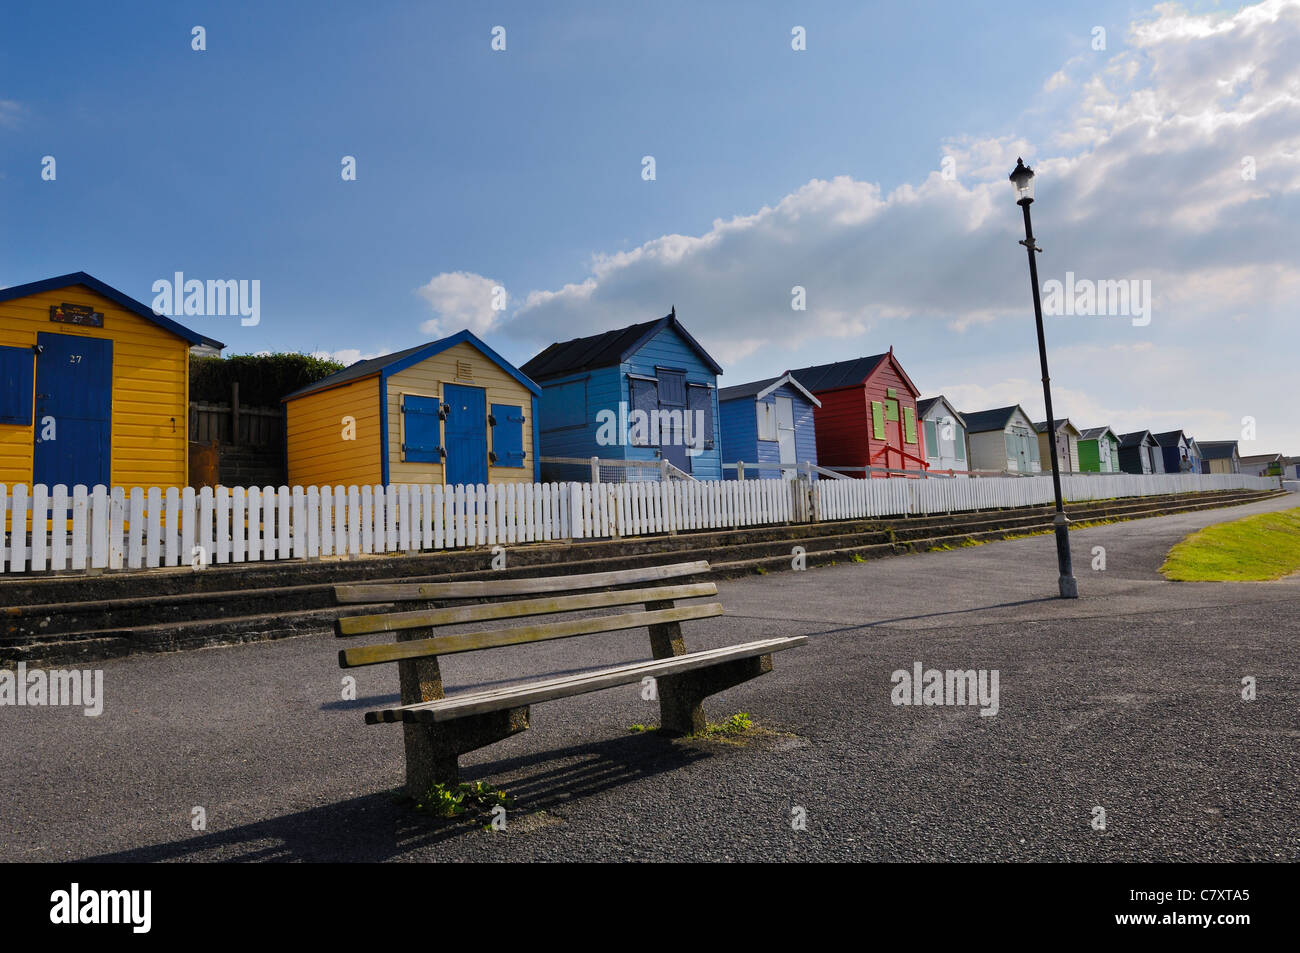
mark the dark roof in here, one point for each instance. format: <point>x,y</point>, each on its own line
<point>400,360</point>
<point>1094,433</point>
<point>610,347</point>
<point>984,420</point>
<point>1218,449</point>
<point>1169,438</point>
<point>924,406</point>
<point>112,294</point>
<point>1134,439</point>
<point>821,377</point>
<point>1041,425</point>
<point>745,390</point>
<point>1262,458</point>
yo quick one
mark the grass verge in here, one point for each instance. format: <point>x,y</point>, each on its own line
<point>1254,549</point>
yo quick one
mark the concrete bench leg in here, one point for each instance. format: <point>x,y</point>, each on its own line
<point>681,697</point>
<point>681,711</point>
<point>432,750</point>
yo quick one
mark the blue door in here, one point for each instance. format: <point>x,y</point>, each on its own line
<point>465,434</point>
<point>74,408</point>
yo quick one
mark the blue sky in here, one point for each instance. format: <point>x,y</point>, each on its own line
<point>774,168</point>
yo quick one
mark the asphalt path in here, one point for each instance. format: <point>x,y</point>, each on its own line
<point>1128,700</point>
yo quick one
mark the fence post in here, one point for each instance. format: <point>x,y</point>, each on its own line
<point>595,470</point>
<point>663,470</point>
<point>740,470</point>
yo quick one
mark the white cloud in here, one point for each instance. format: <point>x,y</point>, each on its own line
<point>10,111</point>
<point>461,299</point>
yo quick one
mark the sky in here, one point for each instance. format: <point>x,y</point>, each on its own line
<point>868,168</point>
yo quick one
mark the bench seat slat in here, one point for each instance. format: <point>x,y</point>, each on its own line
<point>398,592</point>
<point>494,638</point>
<point>472,703</point>
<point>454,615</point>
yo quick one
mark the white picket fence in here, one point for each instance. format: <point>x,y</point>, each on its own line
<point>101,528</point>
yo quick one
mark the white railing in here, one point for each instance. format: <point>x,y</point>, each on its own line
<point>101,528</point>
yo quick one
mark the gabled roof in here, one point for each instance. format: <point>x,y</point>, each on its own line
<point>607,348</point>
<point>1136,438</point>
<point>1262,458</point>
<point>982,421</point>
<point>924,406</point>
<point>852,373</point>
<point>1218,449</point>
<point>113,295</point>
<point>760,389</point>
<point>390,364</point>
<point>1170,438</point>
<point>1096,433</point>
<point>1061,423</point>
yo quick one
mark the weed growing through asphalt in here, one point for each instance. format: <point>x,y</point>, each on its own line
<point>638,728</point>
<point>737,724</point>
<point>456,800</point>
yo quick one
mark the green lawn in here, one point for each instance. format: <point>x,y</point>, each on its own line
<point>1253,549</point>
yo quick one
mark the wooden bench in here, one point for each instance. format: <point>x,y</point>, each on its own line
<point>439,728</point>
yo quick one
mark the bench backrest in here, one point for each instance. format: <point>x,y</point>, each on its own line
<point>661,615</point>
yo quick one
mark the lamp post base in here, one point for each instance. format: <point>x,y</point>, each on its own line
<point>1069,587</point>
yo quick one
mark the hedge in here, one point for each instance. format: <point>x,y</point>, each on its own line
<point>263,378</point>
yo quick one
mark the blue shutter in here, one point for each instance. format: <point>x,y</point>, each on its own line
<point>672,386</point>
<point>421,429</point>
<point>700,398</point>
<point>644,396</point>
<point>16,377</point>
<point>508,435</point>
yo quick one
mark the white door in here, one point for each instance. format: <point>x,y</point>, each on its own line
<point>785,432</point>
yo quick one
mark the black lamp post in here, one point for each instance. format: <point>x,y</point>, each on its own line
<point>1022,179</point>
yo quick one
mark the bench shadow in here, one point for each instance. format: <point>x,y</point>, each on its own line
<point>379,827</point>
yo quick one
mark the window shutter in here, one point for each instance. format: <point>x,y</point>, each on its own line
<point>644,396</point>
<point>421,429</point>
<point>891,410</point>
<point>700,398</point>
<point>508,435</point>
<point>959,435</point>
<point>909,425</point>
<point>766,420</point>
<point>17,374</point>
<point>877,420</point>
<point>931,438</point>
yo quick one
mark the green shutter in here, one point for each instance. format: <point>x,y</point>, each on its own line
<point>891,392</point>
<point>960,434</point>
<point>909,425</point>
<point>877,420</point>
<point>931,438</point>
<point>891,410</point>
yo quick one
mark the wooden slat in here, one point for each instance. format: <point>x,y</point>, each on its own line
<point>471,641</point>
<point>459,706</point>
<point>397,592</point>
<point>431,618</point>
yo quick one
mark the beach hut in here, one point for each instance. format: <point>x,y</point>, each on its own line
<point>645,392</point>
<point>767,421</point>
<point>1173,451</point>
<point>943,431</point>
<point>94,387</point>
<point>1195,458</point>
<point>1067,444</point>
<point>1002,439</point>
<point>451,411</point>
<point>1220,456</point>
<point>868,414</point>
<point>1139,453</point>
<point>1262,464</point>
<point>1098,450</point>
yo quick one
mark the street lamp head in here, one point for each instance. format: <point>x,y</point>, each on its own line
<point>1022,180</point>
